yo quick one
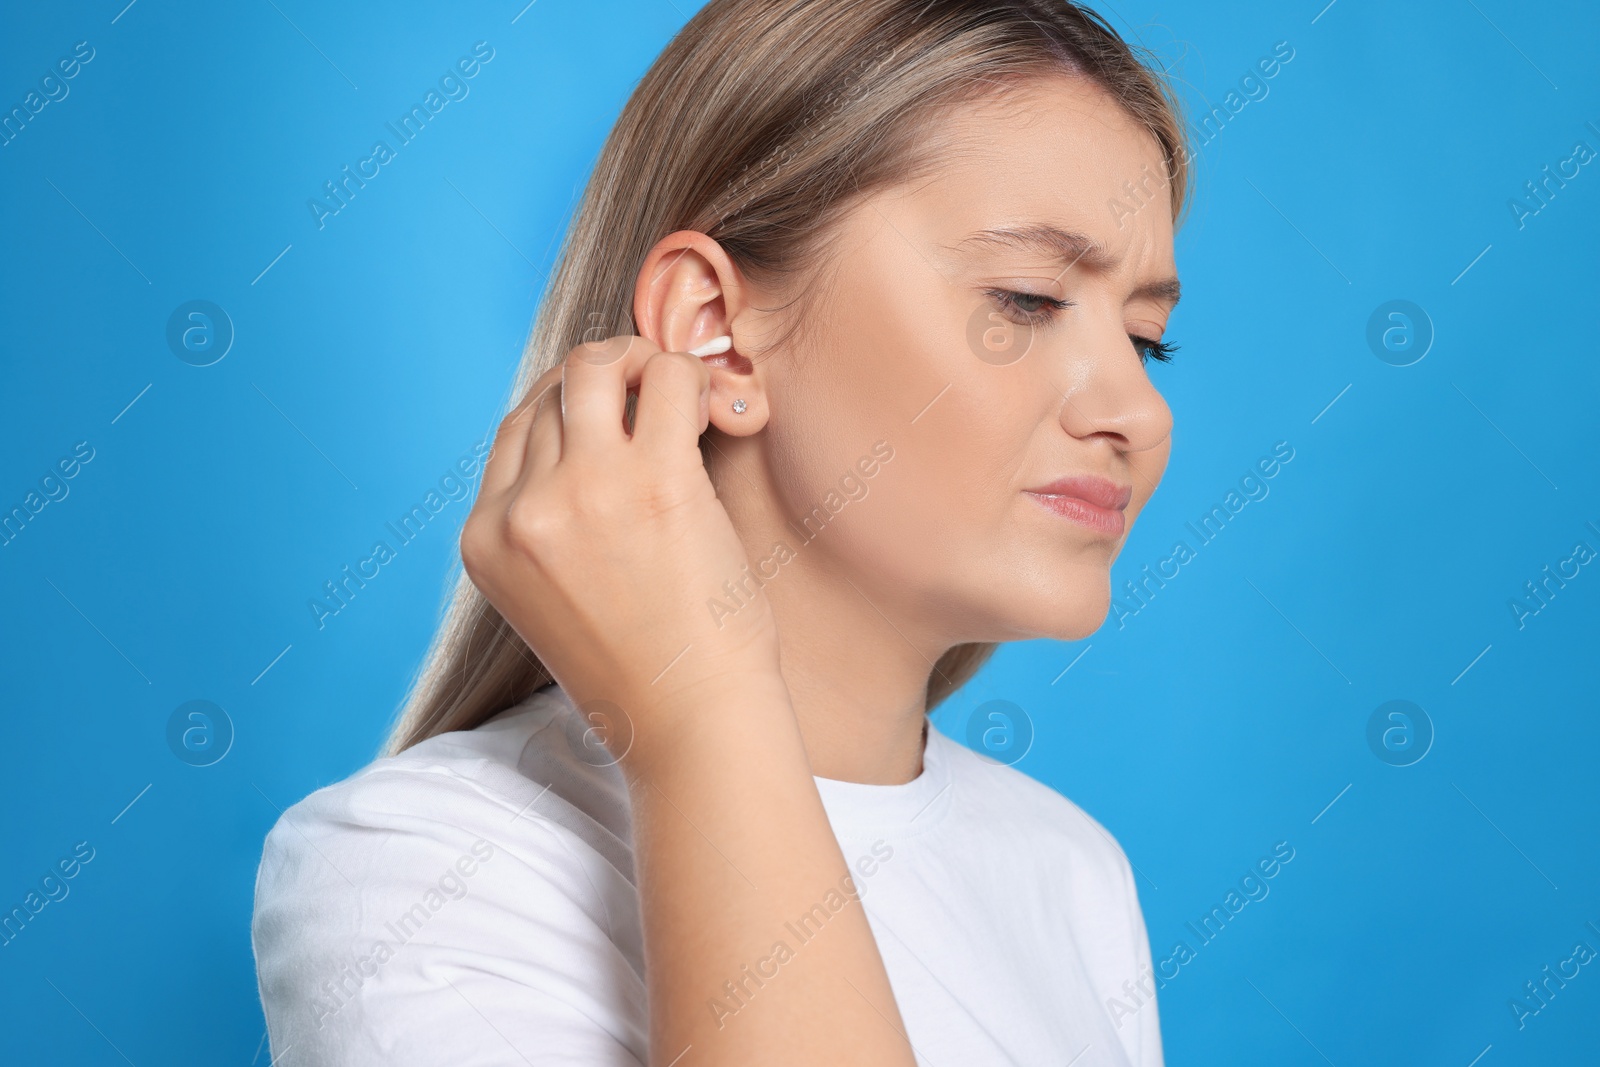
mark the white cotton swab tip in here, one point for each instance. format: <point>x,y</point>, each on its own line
<point>714,347</point>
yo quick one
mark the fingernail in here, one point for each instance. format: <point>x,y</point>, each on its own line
<point>715,346</point>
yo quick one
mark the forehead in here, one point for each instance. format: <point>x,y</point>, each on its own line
<point>1058,150</point>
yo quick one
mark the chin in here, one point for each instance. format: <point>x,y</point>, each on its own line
<point>1073,608</point>
<point>1082,622</point>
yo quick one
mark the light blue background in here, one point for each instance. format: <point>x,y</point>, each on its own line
<point>1223,718</point>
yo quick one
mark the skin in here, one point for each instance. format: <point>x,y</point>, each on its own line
<point>870,605</point>
<point>602,549</point>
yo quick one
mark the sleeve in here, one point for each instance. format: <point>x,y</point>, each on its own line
<point>1149,1052</point>
<point>413,919</point>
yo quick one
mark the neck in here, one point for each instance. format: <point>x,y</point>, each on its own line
<point>855,662</point>
<point>856,654</point>
<point>858,689</point>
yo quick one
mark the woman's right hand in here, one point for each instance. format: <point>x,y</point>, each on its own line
<point>602,550</point>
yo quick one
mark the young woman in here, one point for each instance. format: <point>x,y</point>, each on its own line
<point>840,380</point>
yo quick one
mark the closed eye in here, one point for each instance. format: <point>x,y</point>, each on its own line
<point>1037,309</point>
<point>1028,309</point>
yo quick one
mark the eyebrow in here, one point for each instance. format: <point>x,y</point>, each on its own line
<point>1070,248</point>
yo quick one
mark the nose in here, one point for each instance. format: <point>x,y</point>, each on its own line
<point>1107,392</point>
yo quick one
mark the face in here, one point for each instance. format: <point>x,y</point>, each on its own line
<point>990,327</point>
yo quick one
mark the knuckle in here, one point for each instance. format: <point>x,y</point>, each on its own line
<point>531,527</point>
<point>674,368</point>
<point>548,397</point>
<point>529,404</point>
<point>509,427</point>
<point>550,379</point>
<point>598,352</point>
<point>477,543</point>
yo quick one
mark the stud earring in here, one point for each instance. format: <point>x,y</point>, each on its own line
<point>715,347</point>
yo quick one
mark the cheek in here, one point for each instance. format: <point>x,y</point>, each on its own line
<point>897,371</point>
<point>866,372</point>
<point>940,520</point>
<point>832,403</point>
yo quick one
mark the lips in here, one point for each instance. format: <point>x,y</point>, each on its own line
<point>1088,500</point>
<point>1100,492</point>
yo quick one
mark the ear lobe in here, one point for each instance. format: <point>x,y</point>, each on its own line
<point>738,397</point>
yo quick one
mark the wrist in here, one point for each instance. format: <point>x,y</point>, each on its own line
<point>704,723</point>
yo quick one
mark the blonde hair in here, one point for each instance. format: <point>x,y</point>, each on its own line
<point>759,125</point>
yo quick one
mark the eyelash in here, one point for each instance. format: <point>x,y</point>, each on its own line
<point>1157,350</point>
<point>1010,300</point>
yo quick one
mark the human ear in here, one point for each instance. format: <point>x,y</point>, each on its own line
<point>689,293</point>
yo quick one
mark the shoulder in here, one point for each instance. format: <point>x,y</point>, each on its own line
<point>477,789</point>
<point>517,786</point>
<point>456,787</point>
<point>348,836</point>
<point>488,857</point>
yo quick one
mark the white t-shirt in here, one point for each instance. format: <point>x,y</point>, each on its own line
<point>472,902</point>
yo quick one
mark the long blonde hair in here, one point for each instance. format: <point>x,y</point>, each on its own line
<point>758,125</point>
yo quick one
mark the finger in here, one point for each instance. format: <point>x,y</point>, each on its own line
<point>594,389</point>
<point>504,466</point>
<point>674,388</point>
<point>544,432</point>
